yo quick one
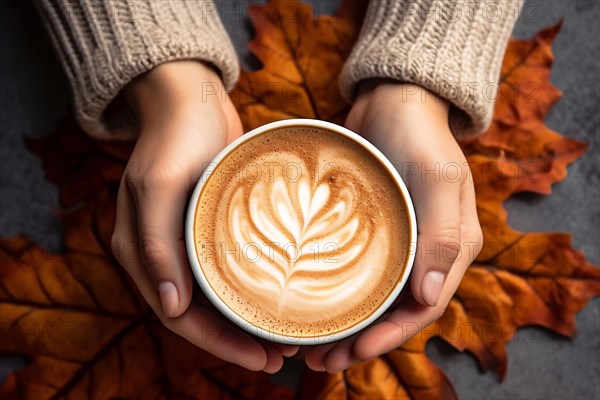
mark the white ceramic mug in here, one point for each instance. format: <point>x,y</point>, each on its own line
<point>239,320</point>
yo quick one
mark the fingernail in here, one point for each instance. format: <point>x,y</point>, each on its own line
<point>292,351</point>
<point>316,368</point>
<point>169,298</point>
<point>432,285</point>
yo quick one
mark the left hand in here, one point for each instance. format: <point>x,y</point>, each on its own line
<point>182,127</point>
<point>410,125</point>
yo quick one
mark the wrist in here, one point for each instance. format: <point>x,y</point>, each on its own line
<point>393,114</point>
<point>173,85</point>
<point>405,96</point>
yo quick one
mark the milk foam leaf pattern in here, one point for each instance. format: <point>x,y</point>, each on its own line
<point>287,252</point>
<point>324,230</point>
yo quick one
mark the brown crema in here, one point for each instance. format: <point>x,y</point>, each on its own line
<point>302,232</point>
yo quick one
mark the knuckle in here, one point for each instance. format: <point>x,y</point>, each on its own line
<point>442,248</point>
<point>448,243</point>
<point>153,251</point>
<point>449,232</point>
<point>131,176</point>
<point>123,252</point>
<point>149,179</point>
<point>474,237</point>
<point>115,244</point>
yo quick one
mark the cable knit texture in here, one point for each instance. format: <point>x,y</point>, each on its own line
<point>452,48</point>
<point>104,44</point>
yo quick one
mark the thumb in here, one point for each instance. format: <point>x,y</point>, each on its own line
<point>437,207</point>
<point>160,204</point>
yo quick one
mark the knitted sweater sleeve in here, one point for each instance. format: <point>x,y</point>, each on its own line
<point>103,45</point>
<point>452,48</point>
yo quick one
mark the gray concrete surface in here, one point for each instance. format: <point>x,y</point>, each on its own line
<point>34,95</point>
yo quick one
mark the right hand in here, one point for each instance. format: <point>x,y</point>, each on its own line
<point>183,124</point>
<point>410,125</point>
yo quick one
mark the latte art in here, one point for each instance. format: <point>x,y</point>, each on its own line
<point>302,244</point>
<point>300,232</point>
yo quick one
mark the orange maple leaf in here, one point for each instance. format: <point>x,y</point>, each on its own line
<point>519,278</point>
<point>78,317</point>
<point>89,334</point>
<point>302,59</point>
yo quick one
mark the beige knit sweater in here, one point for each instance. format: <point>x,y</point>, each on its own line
<point>453,48</point>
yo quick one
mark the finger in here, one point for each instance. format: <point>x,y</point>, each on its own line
<point>336,356</point>
<point>315,356</point>
<point>125,247</point>
<point>286,349</point>
<point>198,325</point>
<point>472,236</point>
<point>212,332</point>
<point>437,208</point>
<point>160,204</point>
<point>401,325</point>
<point>407,320</point>
<point>274,358</point>
<point>341,356</point>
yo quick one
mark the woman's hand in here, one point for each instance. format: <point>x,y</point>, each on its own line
<point>185,118</point>
<point>410,125</point>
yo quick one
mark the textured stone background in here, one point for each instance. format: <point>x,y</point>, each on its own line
<point>34,95</point>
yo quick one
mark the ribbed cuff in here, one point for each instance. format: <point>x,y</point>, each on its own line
<point>103,45</point>
<point>453,49</point>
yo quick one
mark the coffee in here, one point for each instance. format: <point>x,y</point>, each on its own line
<point>301,232</point>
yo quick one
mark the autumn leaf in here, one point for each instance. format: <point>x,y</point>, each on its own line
<point>405,373</point>
<point>518,279</point>
<point>77,316</point>
<point>88,333</point>
<point>302,59</point>
<point>530,278</point>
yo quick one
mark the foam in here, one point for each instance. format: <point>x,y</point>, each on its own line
<point>300,232</point>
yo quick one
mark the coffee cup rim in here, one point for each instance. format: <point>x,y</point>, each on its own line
<point>238,319</point>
